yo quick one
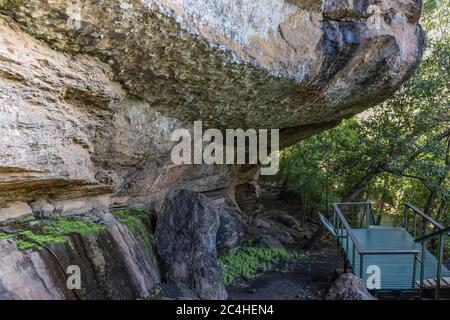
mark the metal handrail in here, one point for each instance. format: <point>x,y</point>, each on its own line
<point>340,223</point>
<point>348,228</point>
<point>368,213</point>
<point>423,215</point>
<point>352,203</point>
<point>358,244</point>
<point>442,231</point>
<point>445,231</point>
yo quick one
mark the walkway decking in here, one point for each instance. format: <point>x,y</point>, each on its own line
<point>403,259</point>
<point>396,269</point>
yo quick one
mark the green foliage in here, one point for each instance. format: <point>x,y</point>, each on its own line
<point>134,218</point>
<point>23,243</point>
<point>126,214</point>
<point>64,226</point>
<point>155,294</point>
<point>247,262</point>
<point>53,231</point>
<point>320,168</point>
<point>400,146</point>
<point>397,152</point>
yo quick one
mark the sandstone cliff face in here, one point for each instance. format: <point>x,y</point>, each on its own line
<point>90,108</point>
<point>90,91</point>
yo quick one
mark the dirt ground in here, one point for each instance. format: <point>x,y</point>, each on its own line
<point>306,280</point>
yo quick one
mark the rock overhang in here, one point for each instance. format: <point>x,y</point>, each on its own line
<point>90,91</point>
<point>266,64</point>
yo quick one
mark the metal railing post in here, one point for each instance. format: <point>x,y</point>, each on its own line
<point>439,267</point>
<point>339,231</point>
<point>422,269</point>
<point>367,216</point>
<point>346,243</point>
<point>345,262</point>
<point>361,266</point>
<point>372,215</point>
<point>334,219</point>
<point>414,272</point>
<point>443,232</point>
<point>405,222</point>
<point>353,259</point>
<point>415,226</point>
<point>424,227</point>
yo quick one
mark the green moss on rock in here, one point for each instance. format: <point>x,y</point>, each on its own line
<point>133,219</point>
<point>51,231</point>
<point>247,262</point>
<point>23,242</point>
<point>65,226</point>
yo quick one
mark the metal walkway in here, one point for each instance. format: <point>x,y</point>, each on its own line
<point>402,254</point>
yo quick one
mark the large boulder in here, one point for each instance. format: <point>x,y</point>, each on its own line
<point>185,233</point>
<point>230,230</point>
<point>349,287</point>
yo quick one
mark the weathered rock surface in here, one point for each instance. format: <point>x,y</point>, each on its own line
<point>68,131</point>
<point>14,209</point>
<point>91,90</point>
<point>186,242</point>
<point>239,63</point>
<point>349,287</point>
<point>90,109</point>
<point>271,222</point>
<point>114,264</point>
<point>230,230</point>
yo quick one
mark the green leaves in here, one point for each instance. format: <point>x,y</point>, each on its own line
<point>247,262</point>
<point>400,146</point>
<point>52,231</point>
<point>133,219</point>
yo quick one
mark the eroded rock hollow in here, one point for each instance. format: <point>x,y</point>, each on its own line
<point>90,91</point>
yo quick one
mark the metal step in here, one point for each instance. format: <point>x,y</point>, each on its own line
<point>431,283</point>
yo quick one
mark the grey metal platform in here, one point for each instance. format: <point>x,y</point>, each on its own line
<point>396,270</point>
<point>401,254</point>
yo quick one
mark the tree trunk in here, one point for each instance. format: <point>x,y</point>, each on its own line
<point>440,210</point>
<point>429,204</point>
<point>434,192</point>
<point>305,203</point>
<point>282,195</point>
<point>383,196</point>
<point>357,188</point>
